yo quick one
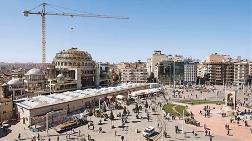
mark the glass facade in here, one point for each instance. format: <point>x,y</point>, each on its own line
<point>166,72</point>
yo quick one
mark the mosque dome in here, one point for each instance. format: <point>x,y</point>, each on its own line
<point>15,81</point>
<point>34,71</point>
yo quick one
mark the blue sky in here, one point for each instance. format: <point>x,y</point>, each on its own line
<point>187,27</point>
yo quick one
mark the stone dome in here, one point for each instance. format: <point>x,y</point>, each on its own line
<point>73,54</point>
<point>15,81</point>
<point>34,71</point>
<point>73,58</point>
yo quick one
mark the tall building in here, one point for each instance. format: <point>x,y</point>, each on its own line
<point>229,73</point>
<point>190,72</point>
<point>82,64</point>
<point>170,72</point>
<point>241,71</point>
<point>219,69</point>
<point>133,72</point>
<point>156,57</point>
<point>250,68</point>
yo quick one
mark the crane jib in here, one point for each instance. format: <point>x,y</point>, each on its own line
<point>43,13</point>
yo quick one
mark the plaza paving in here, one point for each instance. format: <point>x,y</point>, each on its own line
<point>215,123</point>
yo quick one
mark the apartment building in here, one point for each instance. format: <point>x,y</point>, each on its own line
<point>153,61</point>
<point>133,72</point>
<point>241,71</point>
<point>219,69</point>
<point>190,72</point>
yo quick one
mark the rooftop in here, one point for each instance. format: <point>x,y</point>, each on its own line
<point>46,100</point>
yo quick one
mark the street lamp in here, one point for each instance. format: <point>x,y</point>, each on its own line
<point>183,121</point>
<point>174,84</point>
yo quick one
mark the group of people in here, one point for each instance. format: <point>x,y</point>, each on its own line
<point>206,110</point>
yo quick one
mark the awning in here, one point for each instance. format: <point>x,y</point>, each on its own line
<point>119,96</point>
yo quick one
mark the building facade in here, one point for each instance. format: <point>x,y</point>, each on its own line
<point>35,80</point>
<point>133,72</point>
<point>156,58</point>
<point>103,74</point>
<point>15,88</point>
<point>33,110</point>
<point>241,72</point>
<point>79,61</point>
<point>219,69</point>
<point>153,61</point>
<point>250,68</point>
<point>61,84</point>
<point>170,72</point>
<point>190,72</point>
<point>6,109</point>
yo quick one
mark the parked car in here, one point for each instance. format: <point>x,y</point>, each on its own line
<point>148,131</point>
<point>6,124</point>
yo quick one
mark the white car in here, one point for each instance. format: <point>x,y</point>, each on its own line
<point>148,131</point>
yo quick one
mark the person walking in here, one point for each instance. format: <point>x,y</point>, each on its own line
<point>122,138</point>
<point>210,138</point>
<point>89,137</point>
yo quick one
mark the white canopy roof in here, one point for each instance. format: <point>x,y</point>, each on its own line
<point>119,96</point>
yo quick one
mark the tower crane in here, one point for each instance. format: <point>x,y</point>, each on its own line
<point>43,13</point>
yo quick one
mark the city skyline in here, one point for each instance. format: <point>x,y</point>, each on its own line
<point>174,27</point>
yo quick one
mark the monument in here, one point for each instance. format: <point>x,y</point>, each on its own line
<point>230,99</point>
<point>230,103</point>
